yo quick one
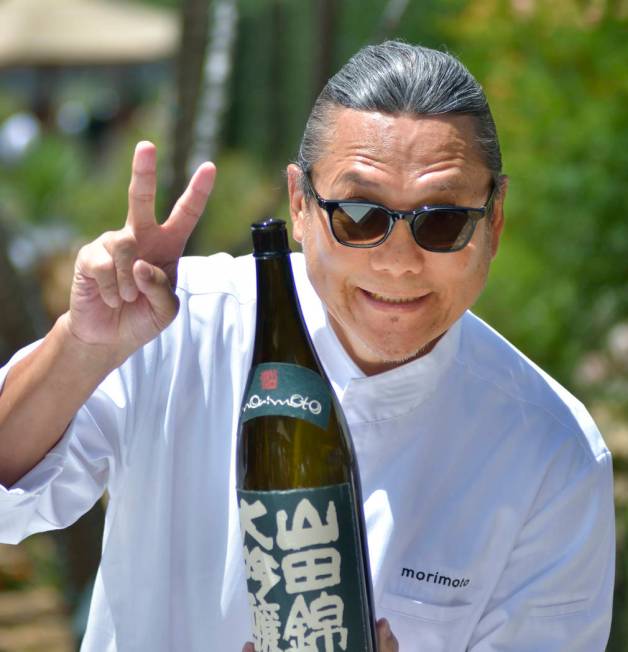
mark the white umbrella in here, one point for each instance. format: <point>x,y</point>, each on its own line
<point>79,32</point>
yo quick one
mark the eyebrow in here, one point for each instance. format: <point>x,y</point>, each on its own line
<point>351,176</point>
<point>356,178</point>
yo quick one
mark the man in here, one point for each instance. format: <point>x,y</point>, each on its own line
<point>488,489</point>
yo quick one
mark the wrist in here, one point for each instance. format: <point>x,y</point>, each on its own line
<point>96,357</point>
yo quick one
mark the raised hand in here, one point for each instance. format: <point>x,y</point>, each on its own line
<point>123,288</point>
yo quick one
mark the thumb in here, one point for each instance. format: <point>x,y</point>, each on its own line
<point>153,283</point>
<point>386,641</point>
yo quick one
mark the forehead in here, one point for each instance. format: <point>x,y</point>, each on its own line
<point>401,149</point>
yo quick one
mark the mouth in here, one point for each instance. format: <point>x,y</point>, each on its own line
<point>392,302</point>
<point>389,299</point>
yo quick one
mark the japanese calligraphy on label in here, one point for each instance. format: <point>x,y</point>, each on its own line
<point>287,389</point>
<point>305,583</point>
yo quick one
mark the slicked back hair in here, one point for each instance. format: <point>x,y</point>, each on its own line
<point>398,78</point>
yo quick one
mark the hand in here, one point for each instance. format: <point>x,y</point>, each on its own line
<point>123,289</point>
<point>386,641</point>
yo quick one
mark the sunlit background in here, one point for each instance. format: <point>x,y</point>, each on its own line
<point>81,81</point>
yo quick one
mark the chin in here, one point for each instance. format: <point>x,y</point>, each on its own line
<point>374,352</point>
<point>384,358</point>
<point>401,357</point>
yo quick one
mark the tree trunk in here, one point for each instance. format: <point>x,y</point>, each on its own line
<point>214,88</point>
<point>325,12</point>
<point>214,83</point>
<point>276,114</point>
<point>194,33</point>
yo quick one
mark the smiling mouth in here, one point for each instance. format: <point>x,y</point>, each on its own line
<point>393,300</point>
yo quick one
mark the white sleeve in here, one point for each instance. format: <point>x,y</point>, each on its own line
<point>74,473</point>
<point>555,592</point>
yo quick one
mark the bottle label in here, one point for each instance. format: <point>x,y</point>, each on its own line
<point>288,390</point>
<point>304,572</point>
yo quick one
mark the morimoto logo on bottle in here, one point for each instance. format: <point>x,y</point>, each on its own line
<point>288,390</point>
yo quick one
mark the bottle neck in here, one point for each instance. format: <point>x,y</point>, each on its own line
<point>280,332</point>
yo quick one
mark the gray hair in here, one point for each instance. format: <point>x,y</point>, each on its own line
<point>397,78</point>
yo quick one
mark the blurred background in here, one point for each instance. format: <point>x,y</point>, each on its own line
<point>81,81</point>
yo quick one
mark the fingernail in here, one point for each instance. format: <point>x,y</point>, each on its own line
<point>145,271</point>
<point>129,293</point>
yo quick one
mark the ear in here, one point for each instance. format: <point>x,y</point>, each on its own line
<point>297,201</point>
<point>497,222</point>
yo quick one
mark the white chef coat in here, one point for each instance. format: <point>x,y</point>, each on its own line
<point>487,487</point>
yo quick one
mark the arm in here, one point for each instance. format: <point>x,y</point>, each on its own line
<point>555,593</point>
<point>42,394</point>
<point>122,297</point>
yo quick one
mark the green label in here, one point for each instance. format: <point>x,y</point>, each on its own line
<point>304,573</point>
<point>288,390</point>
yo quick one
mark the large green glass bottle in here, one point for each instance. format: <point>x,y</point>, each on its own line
<point>297,481</point>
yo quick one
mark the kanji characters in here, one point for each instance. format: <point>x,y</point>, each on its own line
<point>259,566</point>
<point>248,513</point>
<point>311,570</point>
<point>322,620</point>
<point>307,527</point>
<point>303,566</point>
<point>266,625</point>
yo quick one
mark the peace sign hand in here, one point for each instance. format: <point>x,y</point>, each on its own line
<point>123,288</point>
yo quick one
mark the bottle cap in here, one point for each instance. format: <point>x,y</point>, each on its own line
<point>270,238</point>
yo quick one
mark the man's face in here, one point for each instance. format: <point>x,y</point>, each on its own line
<point>391,303</point>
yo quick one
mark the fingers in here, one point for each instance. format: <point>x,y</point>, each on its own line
<point>108,261</point>
<point>189,207</point>
<point>153,283</point>
<point>143,186</point>
<point>111,262</point>
<point>386,641</point>
<point>94,263</point>
<point>123,249</point>
<point>248,647</point>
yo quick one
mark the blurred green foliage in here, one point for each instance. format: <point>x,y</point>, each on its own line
<point>59,179</point>
<point>559,89</point>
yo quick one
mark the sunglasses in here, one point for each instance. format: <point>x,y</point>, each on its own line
<point>444,229</point>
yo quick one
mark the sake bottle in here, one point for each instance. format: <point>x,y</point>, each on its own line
<point>298,486</point>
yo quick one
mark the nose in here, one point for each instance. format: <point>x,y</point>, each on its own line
<point>399,254</point>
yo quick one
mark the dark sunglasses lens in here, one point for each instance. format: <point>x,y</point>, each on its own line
<point>443,230</point>
<point>359,224</point>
